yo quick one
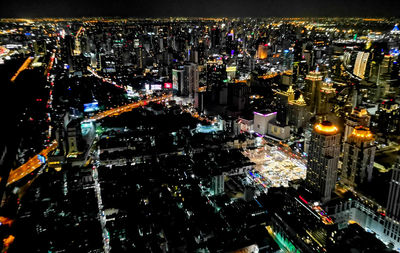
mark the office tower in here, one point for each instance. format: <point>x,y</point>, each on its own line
<point>77,48</point>
<point>177,81</point>
<point>141,57</point>
<point>215,37</point>
<point>298,112</point>
<point>218,184</point>
<point>386,65</point>
<point>284,98</point>
<point>358,157</point>
<point>199,100</point>
<point>322,163</point>
<point>361,64</point>
<point>392,226</point>
<point>288,59</point>
<point>358,117</point>
<point>262,51</point>
<point>308,56</point>
<point>191,79</point>
<point>240,95</point>
<point>388,117</point>
<point>324,96</point>
<point>312,88</point>
<point>74,138</point>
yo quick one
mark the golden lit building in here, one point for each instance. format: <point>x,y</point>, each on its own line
<point>358,157</point>
<point>322,162</point>
<point>298,112</point>
<point>262,51</point>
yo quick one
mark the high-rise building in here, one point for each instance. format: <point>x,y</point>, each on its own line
<point>388,117</point>
<point>324,96</point>
<point>313,86</point>
<point>358,157</point>
<point>323,157</point>
<point>361,64</point>
<point>262,51</point>
<point>392,226</point>
<point>240,95</point>
<point>177,80</point>
<point>284,98</point>
<point>298,112</point>
<point>74,138</point>
<point>218,184</point>
<point>191,80</point>
<point>358,117</point>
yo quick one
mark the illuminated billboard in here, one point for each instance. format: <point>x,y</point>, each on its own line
<point>156,87</point>
<point>168,85</point>
<point>91,107</point>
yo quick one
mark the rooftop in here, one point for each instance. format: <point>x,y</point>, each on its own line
<point>326,128</point>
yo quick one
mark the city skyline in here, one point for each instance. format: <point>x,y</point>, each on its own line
<point>203,135</point>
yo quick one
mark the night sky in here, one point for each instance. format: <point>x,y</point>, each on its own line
<point>199,8</point>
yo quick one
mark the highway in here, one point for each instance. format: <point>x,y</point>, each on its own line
<point>274,74</point>
<point>125,108</point>
<point>38,160</point>
<point>24,66</point>
<point>104,79</point>
<point>31,165</point>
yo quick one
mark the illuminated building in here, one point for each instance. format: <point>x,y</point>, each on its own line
<point>386,65</point>
<point>284,98</point>
<point>358,157</point>
<point>287,78</point>
<point>324,97</point>
<point>177,80</point>
<point>278,130</point>
<point>191,79</point>
<point>392,226</point>
<point>217,184</point>
<point>77,49</point>
<point>298,112</point>
<point>262,51</point>
<point>323,157</point>
<point>288,59</point>
<point>74,138</point>
<point>313,86</point>
<point>395,30</point>
<point>261,120</point>
<point>358,117</point>
<point>361,64</point>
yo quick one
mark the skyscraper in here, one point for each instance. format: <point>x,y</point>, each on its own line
<point>324,95</point>
<point>313,86</point>
<point>323,157</point>
<point>191,80</point>
<point>358,117</point>
<point>361,64</point>
<point>262,51</point>
<point>284,98</point>
<point>358,157</point>
<point>217,184</point>
<point>298,112</point>
<point>177,80</point>
<point>392,227</point>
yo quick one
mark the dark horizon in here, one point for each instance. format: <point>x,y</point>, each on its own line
<point>201,8</point>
